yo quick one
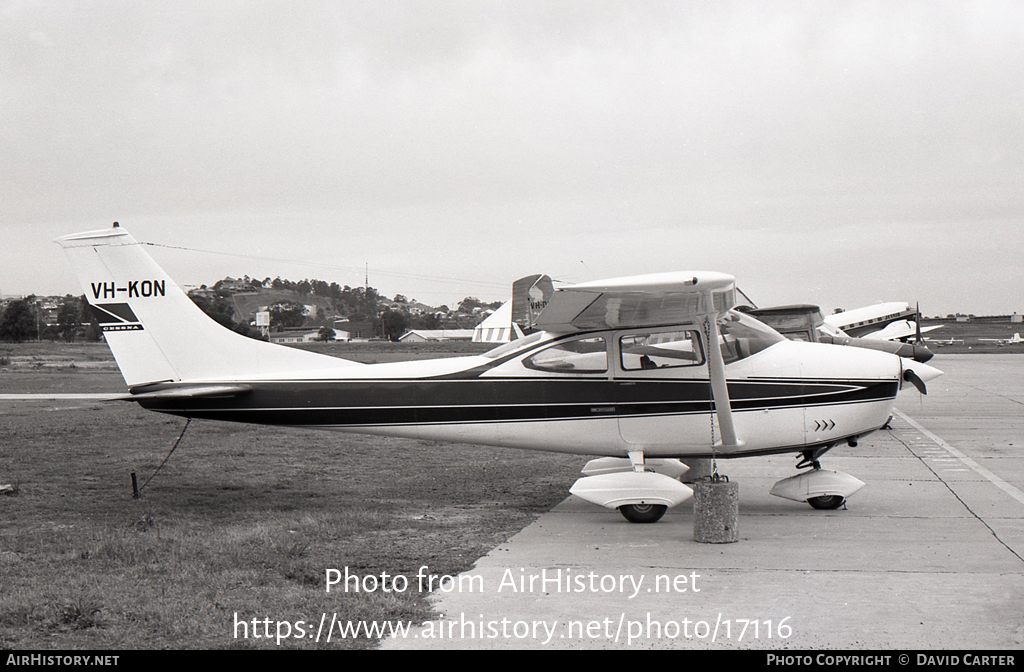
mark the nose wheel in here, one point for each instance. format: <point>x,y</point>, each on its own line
<point>823,489</point>
<point>643,513</point>
<point>827,501</point>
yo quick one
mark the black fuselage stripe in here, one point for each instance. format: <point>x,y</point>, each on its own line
<point>431,402</point>
<point>417,417</point>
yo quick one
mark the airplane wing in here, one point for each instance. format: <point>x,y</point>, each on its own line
<point>659,299</point>
<point>638,301</point>
<point>898,330</point>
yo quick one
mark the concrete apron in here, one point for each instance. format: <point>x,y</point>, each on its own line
<point>927,556</point>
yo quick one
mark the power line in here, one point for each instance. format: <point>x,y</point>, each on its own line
<point>350,269</point>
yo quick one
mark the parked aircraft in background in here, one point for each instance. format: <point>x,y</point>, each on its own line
<point>1004,341</point>
<point>887,321</point>
<point>644,370</point>
<point>805,323</point>
<point>940,342</point>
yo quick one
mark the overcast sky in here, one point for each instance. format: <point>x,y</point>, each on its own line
<point>838,153</point>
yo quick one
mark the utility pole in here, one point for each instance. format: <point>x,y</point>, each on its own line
<point>366,298</point>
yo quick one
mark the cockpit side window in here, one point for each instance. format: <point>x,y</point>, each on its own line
<point>581,355</point>
<point>660,350</point>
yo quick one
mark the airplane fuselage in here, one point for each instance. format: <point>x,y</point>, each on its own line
<point>811,397</point>
<point>634,368</point>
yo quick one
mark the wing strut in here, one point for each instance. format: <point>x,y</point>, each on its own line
<point>719,388</point>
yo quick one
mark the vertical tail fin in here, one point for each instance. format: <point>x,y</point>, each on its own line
<point>155,331</point>
<point>529,296</point>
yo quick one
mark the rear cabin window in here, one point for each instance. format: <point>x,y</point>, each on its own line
<point>661,350</point>
<point>583,355</point>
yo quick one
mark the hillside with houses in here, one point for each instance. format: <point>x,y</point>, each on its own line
<point>316,310</point>
<point>293,312</point>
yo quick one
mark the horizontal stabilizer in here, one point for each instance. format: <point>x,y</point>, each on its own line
<point>190,392</point>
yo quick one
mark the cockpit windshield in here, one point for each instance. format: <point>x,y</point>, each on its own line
<point>742,336</point>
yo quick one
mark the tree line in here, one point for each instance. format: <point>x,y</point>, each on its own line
<point>351,301</point>
<point>23,319</point>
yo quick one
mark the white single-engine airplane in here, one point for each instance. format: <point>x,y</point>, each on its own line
<point>1004,341</point>
<point>943,341</point>
<point>618,368</point>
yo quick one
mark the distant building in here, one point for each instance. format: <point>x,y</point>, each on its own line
<point>234,286</point>
<point>305,336</point>
<point>424,335</point>
<point>357,331</point>
<point>291,336</point>
<point>417,308</point>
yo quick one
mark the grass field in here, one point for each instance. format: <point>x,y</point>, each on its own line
<point>242,522</point>
<point>972,333</point>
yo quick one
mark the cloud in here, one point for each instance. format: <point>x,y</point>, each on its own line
<point>556,117</point>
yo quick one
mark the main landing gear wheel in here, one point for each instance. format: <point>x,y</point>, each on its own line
<point>643,513</point>
<point>827,501</point>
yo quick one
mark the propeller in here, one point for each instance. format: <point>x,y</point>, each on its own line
<point>918,351</point>
<point>915,380</point>
<point>917,373</point>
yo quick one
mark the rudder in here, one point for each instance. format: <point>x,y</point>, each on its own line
<point>153,328</point>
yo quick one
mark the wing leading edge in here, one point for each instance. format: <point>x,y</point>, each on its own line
<point>653,300</point>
